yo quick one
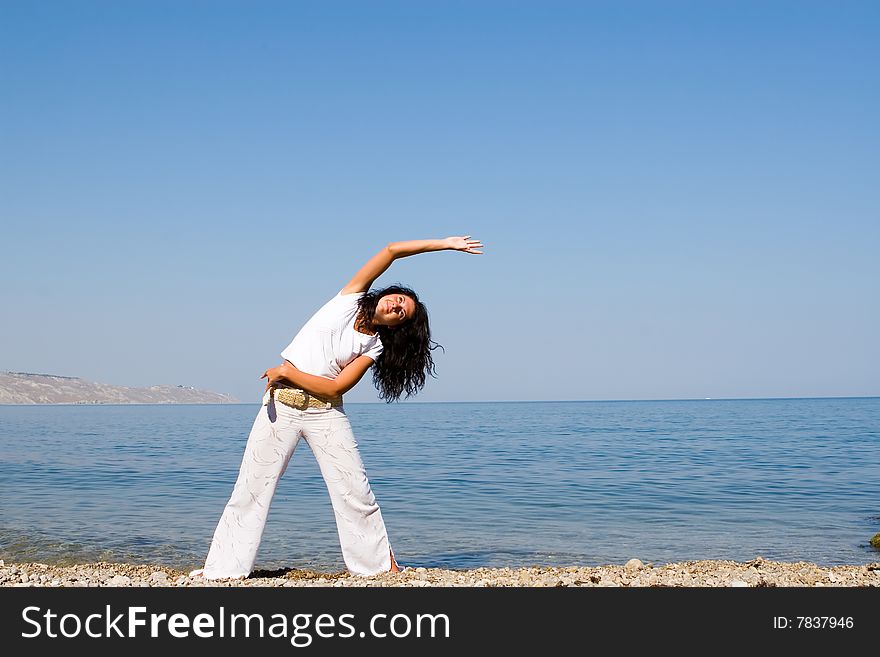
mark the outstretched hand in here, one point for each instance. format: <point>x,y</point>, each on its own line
<point>465,244</point>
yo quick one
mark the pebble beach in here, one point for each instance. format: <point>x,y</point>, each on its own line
<point>634,573</point>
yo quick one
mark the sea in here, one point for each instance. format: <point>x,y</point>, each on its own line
<point>460,485</point>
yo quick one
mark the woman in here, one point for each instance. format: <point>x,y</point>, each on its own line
<point>387,330</point>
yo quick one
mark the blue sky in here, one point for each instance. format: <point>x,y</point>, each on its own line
<point>678,199</point>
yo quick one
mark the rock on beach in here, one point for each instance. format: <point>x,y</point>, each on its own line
<point>632,573</point>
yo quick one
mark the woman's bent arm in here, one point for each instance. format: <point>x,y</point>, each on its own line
<point>379,263</point>
<point>320,385</point>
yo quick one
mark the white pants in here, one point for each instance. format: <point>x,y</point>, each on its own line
<point>273,439</point>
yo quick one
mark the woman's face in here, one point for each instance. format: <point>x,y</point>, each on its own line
<point>394,309</point>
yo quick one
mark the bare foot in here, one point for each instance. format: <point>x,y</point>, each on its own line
<point>394,567</point>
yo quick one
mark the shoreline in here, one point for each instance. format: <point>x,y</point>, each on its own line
<point>707,573</point>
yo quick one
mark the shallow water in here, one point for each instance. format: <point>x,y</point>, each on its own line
<point>461,485</point>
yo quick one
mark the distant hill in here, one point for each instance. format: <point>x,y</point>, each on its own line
<point>26,388</point>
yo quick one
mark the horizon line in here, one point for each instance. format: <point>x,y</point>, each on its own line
<point>578,401</point>
<point>469,401</point>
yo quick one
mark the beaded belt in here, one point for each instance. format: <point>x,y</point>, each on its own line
<point>296,398</point>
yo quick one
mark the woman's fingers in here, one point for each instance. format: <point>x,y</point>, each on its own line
<point>472,245</point>
<point>468,245</point>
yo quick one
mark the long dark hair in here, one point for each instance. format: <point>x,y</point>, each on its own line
<point>405,361</point>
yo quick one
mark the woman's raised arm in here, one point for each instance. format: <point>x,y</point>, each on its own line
<point>379,263</point>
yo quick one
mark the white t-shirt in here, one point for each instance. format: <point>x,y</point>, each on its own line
<point>328,341</point>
